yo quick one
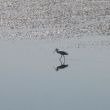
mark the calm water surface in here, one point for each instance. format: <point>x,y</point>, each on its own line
<point>29,80</point>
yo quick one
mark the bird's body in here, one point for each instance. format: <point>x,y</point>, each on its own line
<point>62,53</point>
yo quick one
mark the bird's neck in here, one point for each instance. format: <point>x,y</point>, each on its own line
<point>57,51</point>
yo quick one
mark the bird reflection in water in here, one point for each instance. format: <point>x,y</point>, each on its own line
<point>62,61</point>
<point>62,66</point>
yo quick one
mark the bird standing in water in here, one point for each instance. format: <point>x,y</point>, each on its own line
<point>62,53</point>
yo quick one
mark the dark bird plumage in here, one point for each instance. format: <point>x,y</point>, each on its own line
<point>62,53</point>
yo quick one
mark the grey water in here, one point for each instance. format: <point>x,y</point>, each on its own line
<point>33,78</point>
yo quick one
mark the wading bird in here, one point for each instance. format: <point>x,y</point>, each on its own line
<point>62,53</point>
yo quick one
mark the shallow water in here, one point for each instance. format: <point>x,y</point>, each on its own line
<point>29,80</point>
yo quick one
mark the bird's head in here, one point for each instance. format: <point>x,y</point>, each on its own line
<point>56,50</point>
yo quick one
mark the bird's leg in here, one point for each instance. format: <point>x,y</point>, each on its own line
<point>64,59</point>
<point>60,58</point>
<point>61,62</point>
